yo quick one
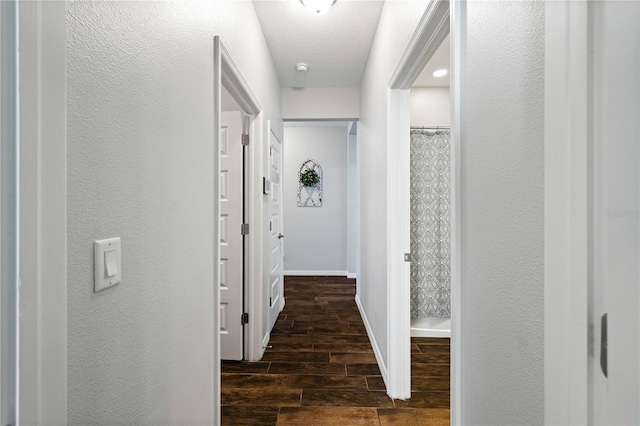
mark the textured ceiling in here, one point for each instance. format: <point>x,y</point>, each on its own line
<point>440,59</point>
<point>335,45</point>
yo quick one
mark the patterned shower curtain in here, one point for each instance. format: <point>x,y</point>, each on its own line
<point>430,224</point>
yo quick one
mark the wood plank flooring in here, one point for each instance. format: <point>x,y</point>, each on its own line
<point>321,370</point>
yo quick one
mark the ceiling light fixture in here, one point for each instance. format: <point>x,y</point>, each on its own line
<point>440,73</point>
<point>318,7</point>
<point>302,67</point>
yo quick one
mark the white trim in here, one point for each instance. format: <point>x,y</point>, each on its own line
<point>398,243</point>
<point>306,273</point>
<point>235,83</point>
<point>566,207</point>
<point>5,102</point>
<point>352,275</point>
<point>433,28</point>
<point>458,53</point>
<point>374,342</point>
<point>10,217</point>
<point>43,338</point>
<point>430,333</point>
<point>217,116</point>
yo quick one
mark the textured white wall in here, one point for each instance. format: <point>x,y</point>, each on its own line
<point>502,170</point>
<point>430,106</point>
<point>140,108</point>
<point>397,24</point>
<point>320,103</point>
<point>316,237</point>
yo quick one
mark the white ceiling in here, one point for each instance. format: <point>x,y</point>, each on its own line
<point>335,45</point>
<point>440,59</point>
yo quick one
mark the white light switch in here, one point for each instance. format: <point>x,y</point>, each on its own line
<point>110,263</point>
<point>107,263</point>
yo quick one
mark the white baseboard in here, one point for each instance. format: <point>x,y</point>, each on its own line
<point>317,273</point>
<point>351,275</point>
<point>419,332</point>
<point>374,343</point>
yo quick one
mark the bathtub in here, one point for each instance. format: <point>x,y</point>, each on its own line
<point>431,327</point>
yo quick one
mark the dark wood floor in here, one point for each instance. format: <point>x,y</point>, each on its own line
<point>321,370</point>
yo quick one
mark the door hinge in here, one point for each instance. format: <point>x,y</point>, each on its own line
<point>245,139</point>
<point>244,229</point>
<point>244,319</point>
<point>407,257</point>
<point>270,302</point>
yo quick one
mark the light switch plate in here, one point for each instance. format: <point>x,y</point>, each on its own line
<point>101,279</point>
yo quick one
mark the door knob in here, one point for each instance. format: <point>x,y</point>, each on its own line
<point>280,236</point>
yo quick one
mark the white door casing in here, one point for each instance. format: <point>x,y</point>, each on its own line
<point>276,278</point>
<point>616,185</point>
<point>592,130</point>
<point>231,238</point>
<point>43,213</point>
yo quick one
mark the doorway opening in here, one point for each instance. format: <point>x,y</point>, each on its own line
<point>441,19</point>
<point>430,198</point>
<point>233,218</point>
<point>320,219</point>
<point>248,300</point>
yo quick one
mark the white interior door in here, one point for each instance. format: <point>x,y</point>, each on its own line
<point>615,358</point>
<point>276,279</point>
<point>231,238</point>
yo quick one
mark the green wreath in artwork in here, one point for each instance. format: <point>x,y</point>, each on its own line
<point>309,178</point>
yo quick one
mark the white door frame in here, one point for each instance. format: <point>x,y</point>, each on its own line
<point>226,73</point>
<point>9,219</point>
<point>441,18</point>
<point>43,215</point>
<point>566,170</point>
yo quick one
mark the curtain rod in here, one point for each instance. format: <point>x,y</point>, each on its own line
<point>431,127</point>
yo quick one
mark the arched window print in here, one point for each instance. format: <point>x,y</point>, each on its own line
<point>310,184</point>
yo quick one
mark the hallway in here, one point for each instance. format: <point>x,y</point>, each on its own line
<point>321,368</point>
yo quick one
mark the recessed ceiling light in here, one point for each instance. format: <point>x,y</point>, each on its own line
<point>440,73</point>
<point>318,7</point>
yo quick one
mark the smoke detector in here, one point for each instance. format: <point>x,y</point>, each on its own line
<point>302,67</point>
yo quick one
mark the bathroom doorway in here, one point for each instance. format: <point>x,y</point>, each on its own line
<point>441,21</point>
<point>430,198</point>
<point>430,228</point>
